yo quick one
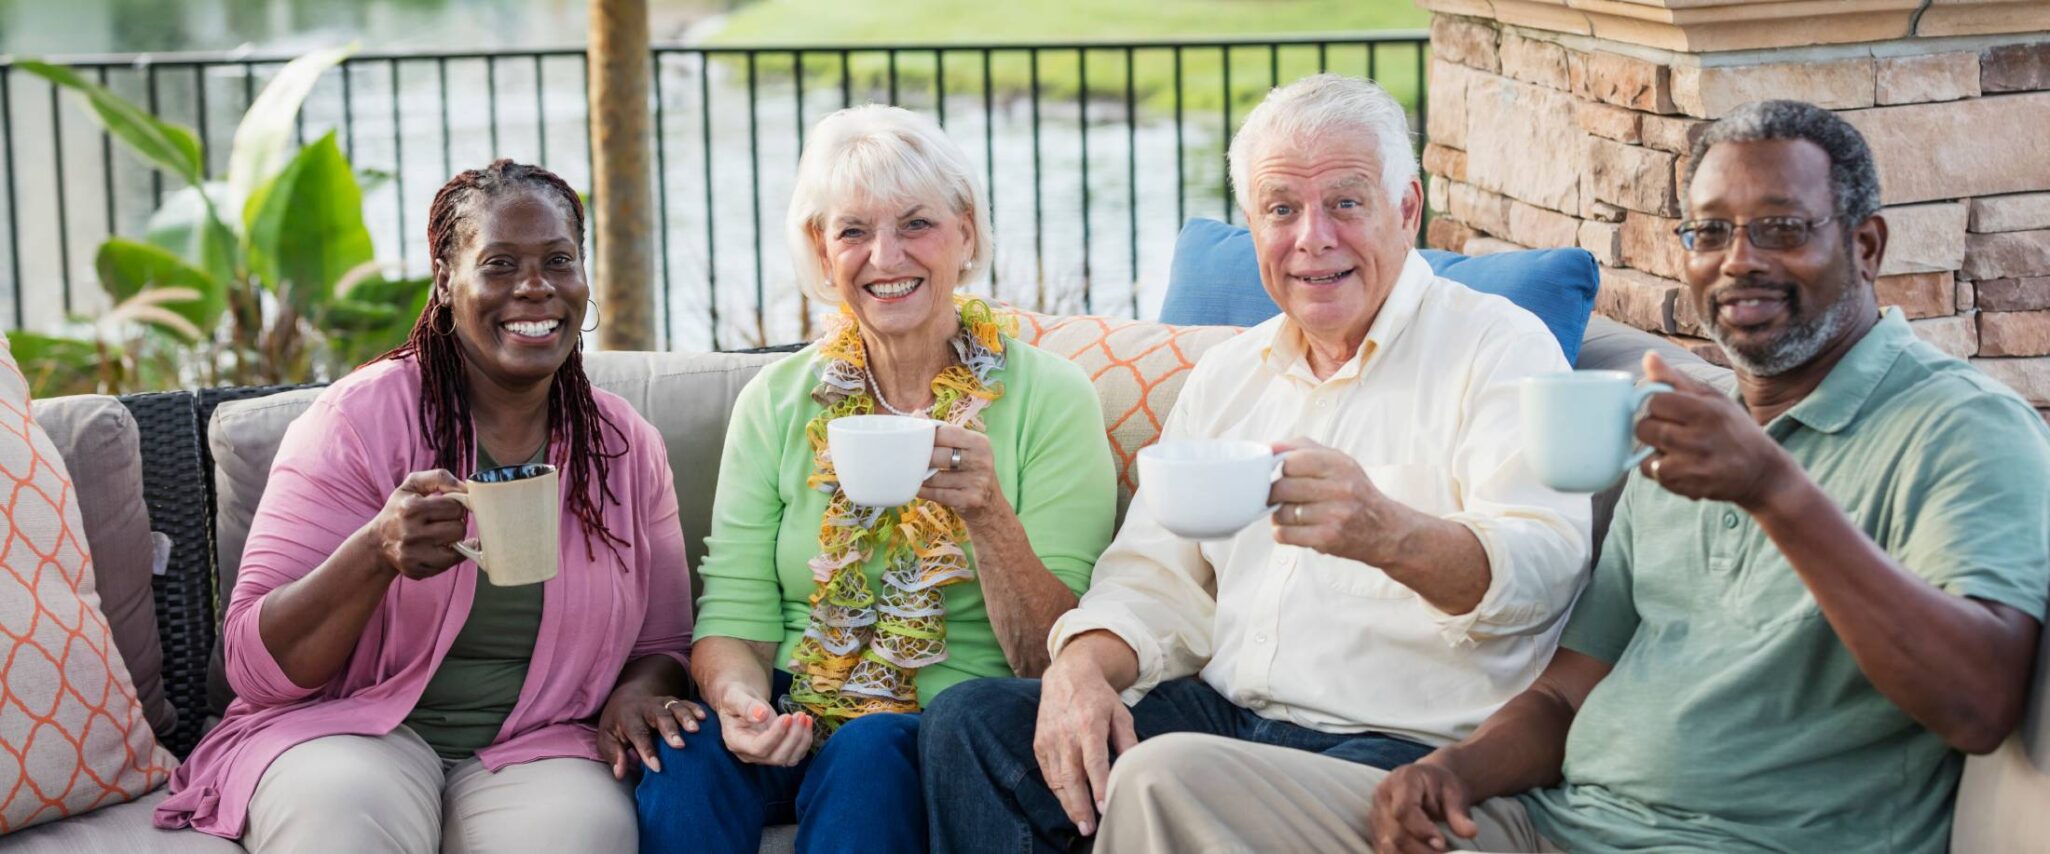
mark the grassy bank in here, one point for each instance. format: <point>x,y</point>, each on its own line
<point>1062,74</point>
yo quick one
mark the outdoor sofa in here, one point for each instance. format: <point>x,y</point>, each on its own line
<point>205,455</point>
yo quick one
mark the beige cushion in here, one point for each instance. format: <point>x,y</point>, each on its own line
<point>2001,800</point>
<point>243,437</point>
<point>97,438</point>
<point>689,398</point>
<point>123,829</point>
<point>1612,346</point>
<point>73,736</point>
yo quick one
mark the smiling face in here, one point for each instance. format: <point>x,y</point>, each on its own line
<point>895,264</point>
<point>1775,310</point>
<point>1330,243</point>
<point>515,287</point>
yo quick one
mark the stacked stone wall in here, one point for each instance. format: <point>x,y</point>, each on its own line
<point>1538,139</point>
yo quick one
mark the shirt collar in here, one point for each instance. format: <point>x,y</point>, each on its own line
<point>1842,395</point>
<point>1287,350</point>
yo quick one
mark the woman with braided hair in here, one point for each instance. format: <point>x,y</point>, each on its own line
<point>390,698</point>
<point>826,626</point>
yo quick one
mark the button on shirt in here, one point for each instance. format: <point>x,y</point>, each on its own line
<point>1734,718</point>
<point>1429,408</point>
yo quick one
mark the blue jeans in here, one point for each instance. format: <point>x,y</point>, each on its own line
<point>859,793</point>
<point>983,790</point>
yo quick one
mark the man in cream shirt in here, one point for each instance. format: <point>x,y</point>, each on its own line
<point>1416,575</point>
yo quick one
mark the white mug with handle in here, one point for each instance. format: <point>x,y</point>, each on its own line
<point>1579,427</point>
<point>881,460</point>
<point>519,523</point>
<point>1207,489</point>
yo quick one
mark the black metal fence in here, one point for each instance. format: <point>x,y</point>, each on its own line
<point>1094,154</point>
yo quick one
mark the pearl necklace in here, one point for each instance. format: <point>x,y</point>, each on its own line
<point>877,390</point>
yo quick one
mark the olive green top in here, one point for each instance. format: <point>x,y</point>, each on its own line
<point>1734,718</point>
<point>468,698</point>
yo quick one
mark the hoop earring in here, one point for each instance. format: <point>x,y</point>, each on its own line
<point>440,312</point>
<point>593,314</point>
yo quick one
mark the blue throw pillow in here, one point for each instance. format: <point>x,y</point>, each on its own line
<point>1215,281</point>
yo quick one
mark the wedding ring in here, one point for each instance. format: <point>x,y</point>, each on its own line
<point>1298,514</point>
<point>672,701</point>
<point>954,460</point>
<point>1655,468</point>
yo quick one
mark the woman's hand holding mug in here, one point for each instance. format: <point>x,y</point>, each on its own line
<point>416,532</point>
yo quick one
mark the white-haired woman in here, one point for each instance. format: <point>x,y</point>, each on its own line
<point>825,627</point>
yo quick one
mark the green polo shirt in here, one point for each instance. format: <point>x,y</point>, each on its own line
<point>1735,719</point>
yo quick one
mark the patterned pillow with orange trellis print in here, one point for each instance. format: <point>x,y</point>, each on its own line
<point>1138,367</point>
<point>73,737</point>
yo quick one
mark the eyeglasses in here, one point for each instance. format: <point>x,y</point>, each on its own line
<point>1773,233</point>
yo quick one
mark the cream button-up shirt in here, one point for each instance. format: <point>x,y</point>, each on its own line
<point>1429,407</point>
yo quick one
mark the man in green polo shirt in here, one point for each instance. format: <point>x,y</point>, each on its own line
<point>1814,597</point>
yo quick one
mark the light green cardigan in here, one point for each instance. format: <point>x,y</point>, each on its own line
<point>1053,462</point>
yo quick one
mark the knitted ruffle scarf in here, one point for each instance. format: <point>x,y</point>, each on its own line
<point>862,649</point>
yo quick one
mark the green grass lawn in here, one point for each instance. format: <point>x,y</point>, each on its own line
<point>1060,72</point>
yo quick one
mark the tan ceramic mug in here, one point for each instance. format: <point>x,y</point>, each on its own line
<point>519,523</point>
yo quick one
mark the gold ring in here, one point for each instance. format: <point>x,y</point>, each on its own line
<point>672,701</point>
<point>1655,468</point>
<point>1299,514</point>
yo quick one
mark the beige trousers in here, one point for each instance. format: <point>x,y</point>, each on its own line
<point>1187,793</point>
<point>391,794</point>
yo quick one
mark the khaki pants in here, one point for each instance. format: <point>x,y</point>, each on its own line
<point>1184,793</point>
<point>391,794</point>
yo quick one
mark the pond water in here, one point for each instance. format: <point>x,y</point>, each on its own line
<point>46,27</point>
<point>1063,243</point>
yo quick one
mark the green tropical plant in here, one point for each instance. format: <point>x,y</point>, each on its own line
<point>265,275</point>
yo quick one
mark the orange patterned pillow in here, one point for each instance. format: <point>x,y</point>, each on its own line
<point>1138,367</point>
<point>72,734</point>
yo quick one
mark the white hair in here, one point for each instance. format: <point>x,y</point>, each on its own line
<point>883,153</point>
<point>1327,106</point>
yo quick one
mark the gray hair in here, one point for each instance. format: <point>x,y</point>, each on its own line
<point>880,152</point>
<point>1853,177</point>
<point>1327,106</point>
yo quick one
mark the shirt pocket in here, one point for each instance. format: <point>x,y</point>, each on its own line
<point>1771,594</point>
<point>1420,487</point>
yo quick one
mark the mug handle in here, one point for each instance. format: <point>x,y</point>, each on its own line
<point>1274,477</point>
<point>474,553</point>
<point>1638,399</point>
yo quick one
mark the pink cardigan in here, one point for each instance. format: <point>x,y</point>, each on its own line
<point>338,464</point>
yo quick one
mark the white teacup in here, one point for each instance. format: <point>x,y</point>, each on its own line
<point>1578,427</point>
<point>881,460</point>
<point>1207,489</point>
<point>519,523</point>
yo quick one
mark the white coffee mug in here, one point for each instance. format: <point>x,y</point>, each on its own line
<point>1579,426</point>
<point>1207,489</point>
<point>518,510</point>
<point>881,460</point>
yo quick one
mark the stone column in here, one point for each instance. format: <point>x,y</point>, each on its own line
<point>1568,123</point>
